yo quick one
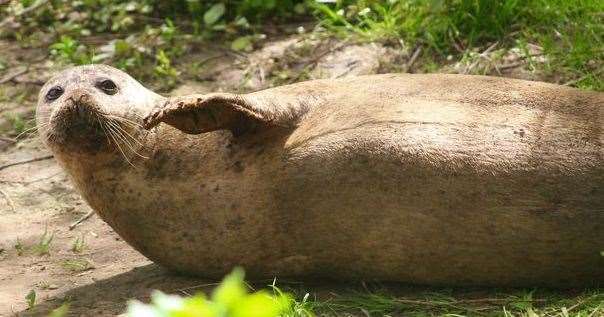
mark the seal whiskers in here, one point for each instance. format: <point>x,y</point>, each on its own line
<point>130,123</point>
<point>30,130</point>
<point>113,136</point>
<point>124,135</point>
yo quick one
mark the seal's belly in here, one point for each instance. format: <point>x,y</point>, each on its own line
<point>437,213</point>
<point>513,197</point>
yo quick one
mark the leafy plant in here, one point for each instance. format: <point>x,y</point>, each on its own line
<point>229,299</point>
<point>61,311</point>
<point>43,246</point>
<point>19,247</point>
<point>70,51</point>
<point>30,299</point>
<point>78,245</point>
<point>77,265</point>
<point>214,14</point>
<point>164,69</point>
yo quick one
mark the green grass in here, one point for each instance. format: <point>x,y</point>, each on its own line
<point>376,299</point>
<point>78,244</point>
<point>18,124</point>
<point>43,245</point>
<point>401,300</point>
<point>571,32</point>
<point>441,303</point>
<point>77,265</point>
<point>30,299</point>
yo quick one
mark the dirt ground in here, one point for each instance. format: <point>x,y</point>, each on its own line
<point>38,202</point>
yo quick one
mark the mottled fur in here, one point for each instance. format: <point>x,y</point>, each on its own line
<point>429,179</point>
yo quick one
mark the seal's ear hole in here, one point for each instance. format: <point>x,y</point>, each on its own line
<point>107,86</point>
<point>54,93</point>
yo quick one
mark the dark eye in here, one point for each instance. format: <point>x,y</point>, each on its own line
<point>54,93</point>
<point>107,86</point>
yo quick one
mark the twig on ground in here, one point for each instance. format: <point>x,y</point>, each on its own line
<point>8,200</point>
<point>315,59</point>
<point>79,221</point>
<point>12,76</point>
<point>414,57</point>
<point>511,65</point>
<point>464,301</point>
<point>482,55</point>
<point>207,59</point>
<point>7,139</point>
<point>312,62</point>
<point>42,158</point>
<point>23,12</point>
<point>452,304</point>
<point>184,289</point>
<point>32,82</point>
<point>579,303</point>
<point>349,68</point>
<point>3,181</point>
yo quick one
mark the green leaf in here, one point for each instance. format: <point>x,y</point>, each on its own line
<point>30,298</point>
<point>230,299</point>
<point>122,47</point>
<point>242,43</point>
<point>214,14</point>
<point>231,290</point>
<point>196,306</point>
<point>300,8</point>
<point>260,304</point>
<point>60,312</point>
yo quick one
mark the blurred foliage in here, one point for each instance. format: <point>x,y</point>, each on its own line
<point>133,35</point>
<point>145,37</point>
<point>100,16</point>
<point>229,299</point>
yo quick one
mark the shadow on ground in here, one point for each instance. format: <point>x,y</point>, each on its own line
<point>109,297</point>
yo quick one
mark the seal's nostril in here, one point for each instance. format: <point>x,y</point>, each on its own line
<point>84,98</point>
<point>80,105</point>
<point>81,109</point>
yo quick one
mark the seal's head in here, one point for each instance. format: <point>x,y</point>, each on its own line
<point>86,108</point>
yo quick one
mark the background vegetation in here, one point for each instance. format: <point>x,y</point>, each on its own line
<point>567,36</point>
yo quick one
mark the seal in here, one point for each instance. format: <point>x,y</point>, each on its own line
<point>428,179</point>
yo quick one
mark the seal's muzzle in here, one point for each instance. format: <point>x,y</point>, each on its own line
<point>78,122</point>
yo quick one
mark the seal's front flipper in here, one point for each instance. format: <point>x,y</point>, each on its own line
<point>196,114</point>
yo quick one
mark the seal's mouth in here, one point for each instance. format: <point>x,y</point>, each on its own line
<point>78,124</point>
<point>81,126</point>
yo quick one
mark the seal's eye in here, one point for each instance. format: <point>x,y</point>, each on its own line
<point>54,93</point>
<point>107,86</point>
